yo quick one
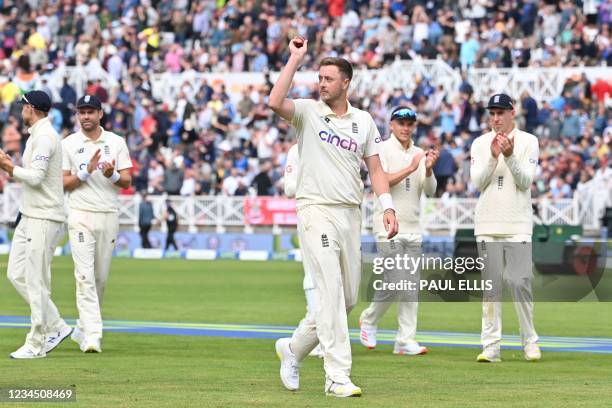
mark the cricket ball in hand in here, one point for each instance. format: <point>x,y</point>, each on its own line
<point>299,41</point>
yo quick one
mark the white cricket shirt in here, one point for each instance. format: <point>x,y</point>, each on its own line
<point>41,174</point>
<point>331,149</point>
<point>97,193</point>
<point>407,193</point>
<point>504,205</point>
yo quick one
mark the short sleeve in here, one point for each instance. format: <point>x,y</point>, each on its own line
<point>373,139</point>
<point>301,108</point>
<point>66,162</point>
<point>123,156</point>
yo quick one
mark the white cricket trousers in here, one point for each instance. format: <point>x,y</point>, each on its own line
<point>406,310</point>
<point>508,260</point>
<point>92,241</point>
<point>331,245</point>
<point>29,270</point>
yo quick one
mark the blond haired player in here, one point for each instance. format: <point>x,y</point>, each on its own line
<point>333,139</point>
<point>503,167</point>
<point>96,165</point>
<point>409,171</point>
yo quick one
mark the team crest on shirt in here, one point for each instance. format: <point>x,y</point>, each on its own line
<point>81,150</point>
<point>106,150</point>
<point>355,128</point>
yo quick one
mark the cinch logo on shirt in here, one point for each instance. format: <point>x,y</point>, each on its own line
<point>346,144</point>
<point>84,165</point>
<point>41,157</point>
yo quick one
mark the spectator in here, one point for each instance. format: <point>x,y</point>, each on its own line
<point>145,220</point>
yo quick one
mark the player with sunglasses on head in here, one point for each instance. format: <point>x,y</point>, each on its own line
<point>409,172</point>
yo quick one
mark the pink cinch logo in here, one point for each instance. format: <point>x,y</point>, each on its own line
<point>346,144</point>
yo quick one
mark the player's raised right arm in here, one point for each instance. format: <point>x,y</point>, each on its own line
<point>278,100</point>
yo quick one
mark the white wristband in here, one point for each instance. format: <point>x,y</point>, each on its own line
<point>83,174</point>
<point>115,177</point>
<point>386,201</point>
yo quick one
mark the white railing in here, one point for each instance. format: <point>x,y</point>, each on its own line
<point>219,213</point>
<point>542,84</point>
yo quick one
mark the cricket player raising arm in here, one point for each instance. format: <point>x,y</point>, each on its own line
<point>333,139</point>
<point>409,171</point>
<point>503,167</point>
<point>40,227</point>
<point>96,165</point>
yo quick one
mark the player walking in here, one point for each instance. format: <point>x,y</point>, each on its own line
<point>503,167</point>
<point>333,138</point>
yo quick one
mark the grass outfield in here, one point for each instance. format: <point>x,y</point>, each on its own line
<point>140,370</point>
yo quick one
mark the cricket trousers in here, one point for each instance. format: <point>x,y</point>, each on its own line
<point>29,270</point>
<point>92,241</point>
<point>331,246</point>
<point>407,307</point>
<point>507,260</point>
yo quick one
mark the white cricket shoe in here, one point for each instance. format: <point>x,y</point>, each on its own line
<point>54,340</point>
<point>25,352</point>
<point>347,389</point>
<point>490,354</point>
<point>77,336</point>
<point>532,352</point>
<point>91,345</point>
<point>410,349</point>
<point>289,368</point>
<point>367,335</point>
<point>317,352</point>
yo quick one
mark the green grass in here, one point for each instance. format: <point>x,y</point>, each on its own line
<point>138,370</point>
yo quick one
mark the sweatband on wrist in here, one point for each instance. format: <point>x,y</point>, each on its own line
<point>83,174</point>
<point>115,177</point>
<point>386,201</point>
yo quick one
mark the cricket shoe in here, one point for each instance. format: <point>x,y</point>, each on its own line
<point>317,352</point>
<point>54,340</point>
<point>347,389</point>
<point>410,349</point>
<point>490,354</point>
<point>25,352</point>
<point>289,367</point>
<point>91,345</point>
<point>532,352</point>
<point>77,336</point>
<point>367,335</point>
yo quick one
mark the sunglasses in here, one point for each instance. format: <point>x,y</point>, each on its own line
<point>404,113</point>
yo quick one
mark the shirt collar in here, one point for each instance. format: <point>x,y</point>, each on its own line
<point>39,123</point>
<point>326,110</point>
<point>102,137</point>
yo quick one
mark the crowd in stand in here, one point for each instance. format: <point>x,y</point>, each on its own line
<point>205,143</point>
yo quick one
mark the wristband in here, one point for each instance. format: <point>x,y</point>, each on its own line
<point>83,174</point>
<point>115,177</point>
<point>386,201</point>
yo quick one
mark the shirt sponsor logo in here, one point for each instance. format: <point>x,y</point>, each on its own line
<point>40,157</point>
<point>500,182</point>
<point>84,166</point>
<point>355,128</point>
<point>81,150</point>
<point>346,144</point>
